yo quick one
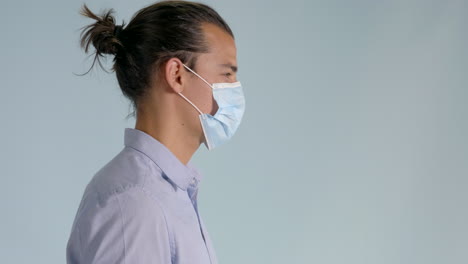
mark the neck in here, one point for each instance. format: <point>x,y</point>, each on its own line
<point>168,129</point>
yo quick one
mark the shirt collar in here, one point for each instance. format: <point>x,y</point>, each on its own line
<point>182,175</point>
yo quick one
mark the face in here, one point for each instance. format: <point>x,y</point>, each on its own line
<point>217,66</point>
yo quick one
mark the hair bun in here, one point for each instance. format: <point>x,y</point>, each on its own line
<point>103,34</point>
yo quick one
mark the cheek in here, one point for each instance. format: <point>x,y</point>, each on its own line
<point>202,97</point>
<point>208,103</point>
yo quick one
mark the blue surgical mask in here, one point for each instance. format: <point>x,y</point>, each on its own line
<point>231,104</point>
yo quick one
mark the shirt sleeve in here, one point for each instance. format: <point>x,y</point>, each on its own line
<point>129,227</point>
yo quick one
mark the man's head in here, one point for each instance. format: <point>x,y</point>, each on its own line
<point>217,65</point>
<point>151,50</point>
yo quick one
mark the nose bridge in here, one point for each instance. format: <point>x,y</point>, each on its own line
<point>203,79</point>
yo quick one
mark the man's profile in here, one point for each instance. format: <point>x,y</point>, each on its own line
<point>176,63</point>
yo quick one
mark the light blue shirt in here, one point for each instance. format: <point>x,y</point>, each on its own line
<point>141,207</point>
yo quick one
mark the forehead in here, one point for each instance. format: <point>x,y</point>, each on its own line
<point>222,45</point>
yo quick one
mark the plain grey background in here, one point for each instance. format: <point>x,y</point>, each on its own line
<point>353,148</point>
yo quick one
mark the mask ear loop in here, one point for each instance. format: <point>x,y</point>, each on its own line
<point>198,76</point>
<point>183,96</point>
<point>186,99</point>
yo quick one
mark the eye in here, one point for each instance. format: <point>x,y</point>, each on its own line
<point>227,74</point>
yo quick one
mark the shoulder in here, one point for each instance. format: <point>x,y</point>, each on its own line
<point>126,203</point>
<point>121,209</point>
<point>129,168</point>
<point>128,224</point>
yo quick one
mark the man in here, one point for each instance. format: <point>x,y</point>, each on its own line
<point>176,62</point>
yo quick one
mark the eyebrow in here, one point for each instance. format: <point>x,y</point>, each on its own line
<point>228,65</point>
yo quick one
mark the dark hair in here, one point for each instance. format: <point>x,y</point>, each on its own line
<point>155,34</point>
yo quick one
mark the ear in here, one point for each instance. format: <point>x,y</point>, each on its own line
<point>175,72</point>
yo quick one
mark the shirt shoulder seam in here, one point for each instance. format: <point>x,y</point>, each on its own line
<point>123,232</point>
